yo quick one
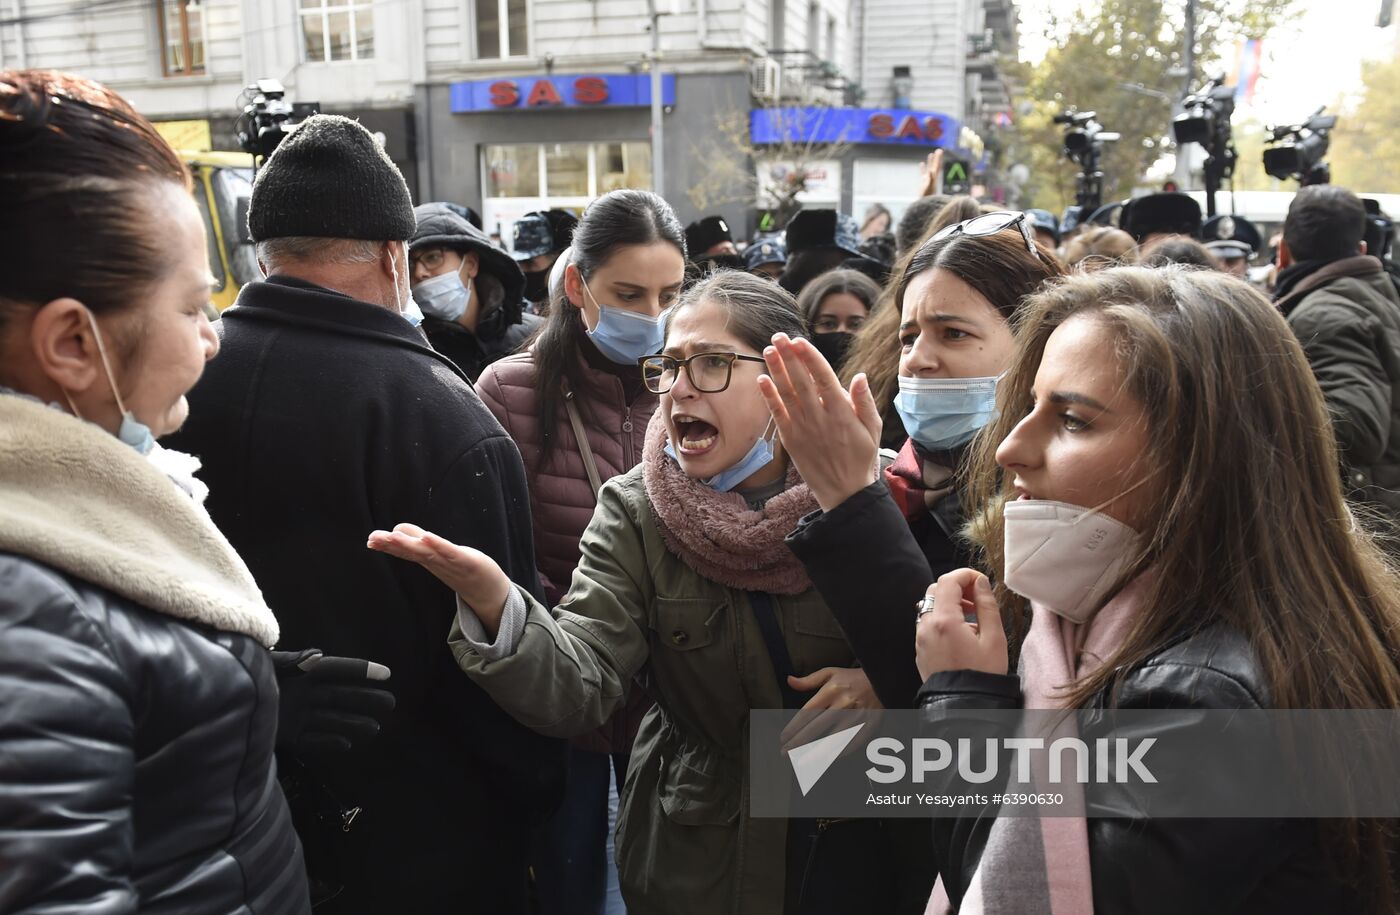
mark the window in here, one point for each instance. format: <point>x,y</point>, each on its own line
<point>814,29</point>
<point>216,258</point>
<point>231,184</point>
<point>831,39</point>
<point>337,30</point>
<point>513,171</point>
<point>584,170</point>
<point>492,39</point>
<point>182,36</point>
<point>536,176</point>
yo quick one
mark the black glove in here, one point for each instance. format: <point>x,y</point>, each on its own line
<point>328,705</point>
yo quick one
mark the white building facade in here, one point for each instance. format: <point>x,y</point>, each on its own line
<point>513,105</point>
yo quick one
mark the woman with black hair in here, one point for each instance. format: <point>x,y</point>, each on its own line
<point>575,404</point>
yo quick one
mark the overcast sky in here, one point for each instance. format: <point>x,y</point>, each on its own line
<point>1311,60</point>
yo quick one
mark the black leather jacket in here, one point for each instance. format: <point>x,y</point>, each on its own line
<point>1157,865</point>
<point>136,759</point>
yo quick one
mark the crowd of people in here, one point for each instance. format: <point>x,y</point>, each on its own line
<point>432,577</point>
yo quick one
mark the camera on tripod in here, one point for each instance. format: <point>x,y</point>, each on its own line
<point>1296,150</point>
<point>1084,140</point>
<point>1084,136</point>
<point>269,118</point>
<point>1205,119</point>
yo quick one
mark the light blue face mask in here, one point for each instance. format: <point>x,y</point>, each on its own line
<point>624,336</point>
<point>132,431</point>
<point>444,297</point>
<point>941,413</point>
<point>759,456</point>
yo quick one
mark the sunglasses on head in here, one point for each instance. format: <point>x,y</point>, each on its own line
<point>991,224</point>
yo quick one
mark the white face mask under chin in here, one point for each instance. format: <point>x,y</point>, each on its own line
<point>1064,557</point>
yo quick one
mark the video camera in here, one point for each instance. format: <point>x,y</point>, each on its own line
<point>1296,150</point>
<point>1084,140</point>
<point>269,118</point>
<point>1084,136</point>
<point>1205,119</point>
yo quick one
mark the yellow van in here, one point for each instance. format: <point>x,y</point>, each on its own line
<point>223,184</point>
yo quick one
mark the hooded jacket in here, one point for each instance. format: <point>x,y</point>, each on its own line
<point>140,703</point>
<point>503,325</point>
<point>1347,318</point>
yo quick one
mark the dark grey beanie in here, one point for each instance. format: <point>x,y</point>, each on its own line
<point>329,179</point>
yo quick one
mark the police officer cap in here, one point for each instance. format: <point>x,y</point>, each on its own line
<point>1231,236</point>
<point>765,251</point>
<point>704,234</point>
<point>543,233</point>
<point>1044,220</point>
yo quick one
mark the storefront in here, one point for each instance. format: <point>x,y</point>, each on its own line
<point>514,144</point>
<point>866,155</point>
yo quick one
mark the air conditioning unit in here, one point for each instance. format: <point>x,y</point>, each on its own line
<point>767,78</point>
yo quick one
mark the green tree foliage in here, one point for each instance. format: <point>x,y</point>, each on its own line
<point>1366,142</point>
<point>1096,55</point>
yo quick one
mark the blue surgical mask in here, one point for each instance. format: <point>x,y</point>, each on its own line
<point>132,431</point>
<point>624,336</point>
<point>443,297</point>
<point>759,456</point>
<point>941,413</point>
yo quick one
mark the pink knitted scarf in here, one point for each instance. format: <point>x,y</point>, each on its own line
<point>715,533</point>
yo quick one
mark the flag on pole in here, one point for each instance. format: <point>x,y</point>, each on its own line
<point>1247,56</point>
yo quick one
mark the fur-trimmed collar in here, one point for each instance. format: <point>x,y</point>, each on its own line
<point>75,498</point>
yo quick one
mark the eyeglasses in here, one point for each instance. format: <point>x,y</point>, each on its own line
<point>708,372</point>
<point>991,224</point>
<point>431,258</point>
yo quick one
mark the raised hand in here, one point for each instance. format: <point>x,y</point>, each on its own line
<point>930,173</point>
<point>832,435</point>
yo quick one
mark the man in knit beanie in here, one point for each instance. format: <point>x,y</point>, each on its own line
<point>328,415</point>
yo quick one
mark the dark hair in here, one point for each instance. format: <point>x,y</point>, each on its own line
<point>620,219</point>
<point>915,220</point>
<point>1175,249</point>
<point>78,166</point>
<point>852,282</point>
<point>1324,222</point>
<point>997,266</point>
<point>757,308</point>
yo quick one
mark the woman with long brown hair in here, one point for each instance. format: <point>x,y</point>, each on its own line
<point>1173,413</point>
<point>1175,410</point>
<point>955,302</point>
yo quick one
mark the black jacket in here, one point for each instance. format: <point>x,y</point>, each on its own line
<point>144,747</point>
<point>323,419</point>
<point>1346,315</point>
<point>1158,865</point>
<point>473,352</point>
<point>872,569</point>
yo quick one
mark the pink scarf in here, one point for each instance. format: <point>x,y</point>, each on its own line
<point>1008,880</point>
<point>716,533</point>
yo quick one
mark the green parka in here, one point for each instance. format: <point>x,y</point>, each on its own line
<point>685,841</point>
